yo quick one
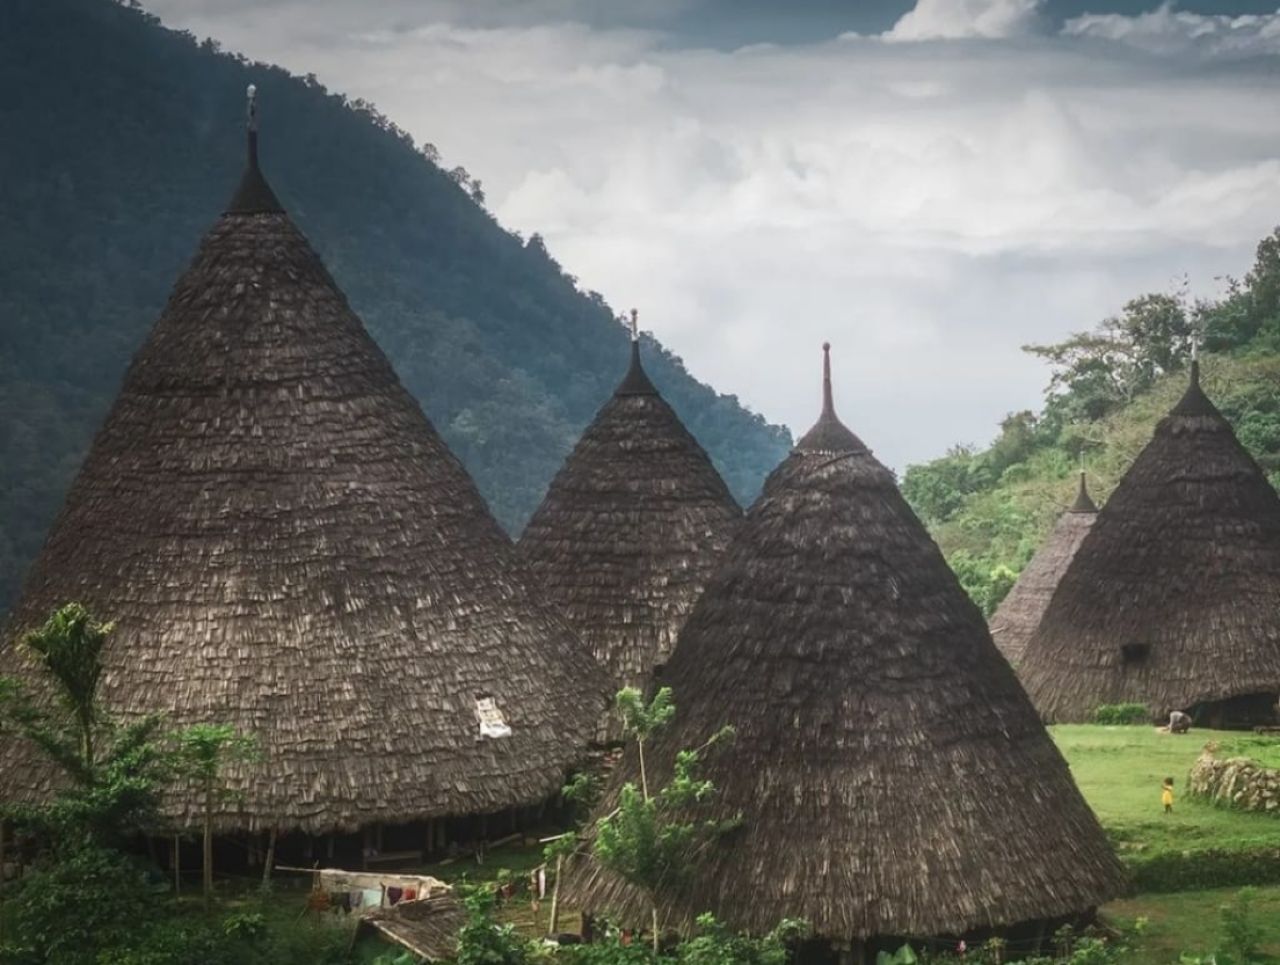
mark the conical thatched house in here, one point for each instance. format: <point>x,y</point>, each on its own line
<point>630,530</point>
<point>892,778</point>
<point>1173,599</point>
<point>288,546</point>
<point>1019,613</point>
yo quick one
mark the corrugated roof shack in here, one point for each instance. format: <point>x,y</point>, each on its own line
<point>1019,613</point>
<point>892,778</point>
<point>288,546</point>
<point>1173,599</point>
<point>630,531</point>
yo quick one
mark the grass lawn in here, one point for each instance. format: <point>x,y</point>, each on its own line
<point>1189,922</point>
<point>1119,770</point>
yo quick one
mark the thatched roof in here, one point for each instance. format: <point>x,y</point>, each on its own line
<point>1173,599</point>
<point>630,530</point>
<point>1020,611</point>
<point>428,928</point>
<point>288,546</point>
<point>891,775</point>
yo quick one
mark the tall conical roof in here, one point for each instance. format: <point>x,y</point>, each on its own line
<point>630,530</point>
<point>1020,611</point>
<point>891,776</point>
<point>1171,600</point>
<point>288,546</point>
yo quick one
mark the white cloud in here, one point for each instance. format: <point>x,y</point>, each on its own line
<point>953,19</point>
<point>927,207</point>
<point>1167,30</point>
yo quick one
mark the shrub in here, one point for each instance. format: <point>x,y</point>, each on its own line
<point>1122,714</point>
<point>1199,870</point>
<point>1241,935</point>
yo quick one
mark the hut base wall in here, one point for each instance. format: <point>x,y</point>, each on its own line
<point>1242,712</point>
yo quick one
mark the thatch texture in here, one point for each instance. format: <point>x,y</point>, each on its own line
<point>427,929</point>
<point>288,546</point>
<point>630,530</point>
<point>1019,613</point>
<point>1173,598</point>
<point>891,775</point>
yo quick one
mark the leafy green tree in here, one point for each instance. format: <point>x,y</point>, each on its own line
<point>650,840</point>
<point>204,751</point>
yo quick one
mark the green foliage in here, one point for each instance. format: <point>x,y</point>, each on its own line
<point>508,355</point>
<point>1122,714</point>
<point>650,840</point>
<point>990,509</point>
<point>484,942</point>
<point>1240,934</point>
<point>71,908</point>
<point>114,771</point>
<point>1193,870</point>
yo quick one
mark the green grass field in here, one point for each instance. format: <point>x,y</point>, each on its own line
<point>1119,770</point>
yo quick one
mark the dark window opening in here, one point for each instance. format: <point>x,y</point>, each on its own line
<point>1134,652</point>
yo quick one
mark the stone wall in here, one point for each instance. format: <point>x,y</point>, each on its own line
<point>1234,782</point>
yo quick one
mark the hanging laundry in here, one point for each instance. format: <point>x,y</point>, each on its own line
<point>394,894</point>
<point>410,894</point>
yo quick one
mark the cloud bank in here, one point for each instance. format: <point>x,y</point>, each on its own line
<point>928,206</point>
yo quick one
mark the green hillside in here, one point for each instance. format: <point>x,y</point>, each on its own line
<point>989,509</point>
<point>123,140</point>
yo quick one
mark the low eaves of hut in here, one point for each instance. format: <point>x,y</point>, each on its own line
<point>630,531</point>
<point>286,545</point>
<point>1019,613</point>
<point>1171,600</point>
<point>891,776</point>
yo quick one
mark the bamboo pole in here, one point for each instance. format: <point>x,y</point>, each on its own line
<point>270,861</point>
<point>2,879</point>
<point>553,926</point>
<point>177,865</point>
<point>207,856</point>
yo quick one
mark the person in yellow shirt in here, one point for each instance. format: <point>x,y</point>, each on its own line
<point>1166,795</point>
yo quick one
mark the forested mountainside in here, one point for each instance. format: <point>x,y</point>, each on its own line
<point>123,141</point>
<point>990,509</point>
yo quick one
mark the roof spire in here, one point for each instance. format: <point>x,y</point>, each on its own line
<point>635,382</point>
<point>828,407</point>
<point>1084,502</point>
<point>1195,358</point>
<point>254,195</point>
<point>251,125</point>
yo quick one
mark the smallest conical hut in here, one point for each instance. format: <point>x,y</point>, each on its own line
<point>630,531</point>
<point>1173,598</point>
<point>1019,613</point>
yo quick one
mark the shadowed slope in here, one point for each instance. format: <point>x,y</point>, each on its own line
<point>1173,599</point>
<point>630,530</point>
<point>891,775</point>
<point>1020,611</point>
<point>287,546</point>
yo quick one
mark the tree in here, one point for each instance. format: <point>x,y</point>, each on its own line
<point>204,750</point>
<point>113,771</point>
<point>1097,370</point>
<point>650,839</point>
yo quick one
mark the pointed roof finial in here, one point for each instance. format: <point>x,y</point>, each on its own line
<point>635,382</point>
<point>1195,358</point>
<point>252,124</point>
<point>1084,502</point>
<point>254,195</point>
<point>828,407</point>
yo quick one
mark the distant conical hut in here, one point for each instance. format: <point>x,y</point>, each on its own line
<point>630,530</point>
<point>1173,599</point>
<point>287,546</point>
<point>1019,613</point>
<point>891,776</point>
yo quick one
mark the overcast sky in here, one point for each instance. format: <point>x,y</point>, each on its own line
<point>928,186</point>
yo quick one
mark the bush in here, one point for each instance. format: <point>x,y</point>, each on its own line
<point>1122,714</point>
<point>1199,870</point>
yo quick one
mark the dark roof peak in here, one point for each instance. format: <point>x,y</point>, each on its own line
<point>253,195</point>
<point>636,381</point>
<point>1084,502</point>
<point>829,434</point>
<point>1194,402</point>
